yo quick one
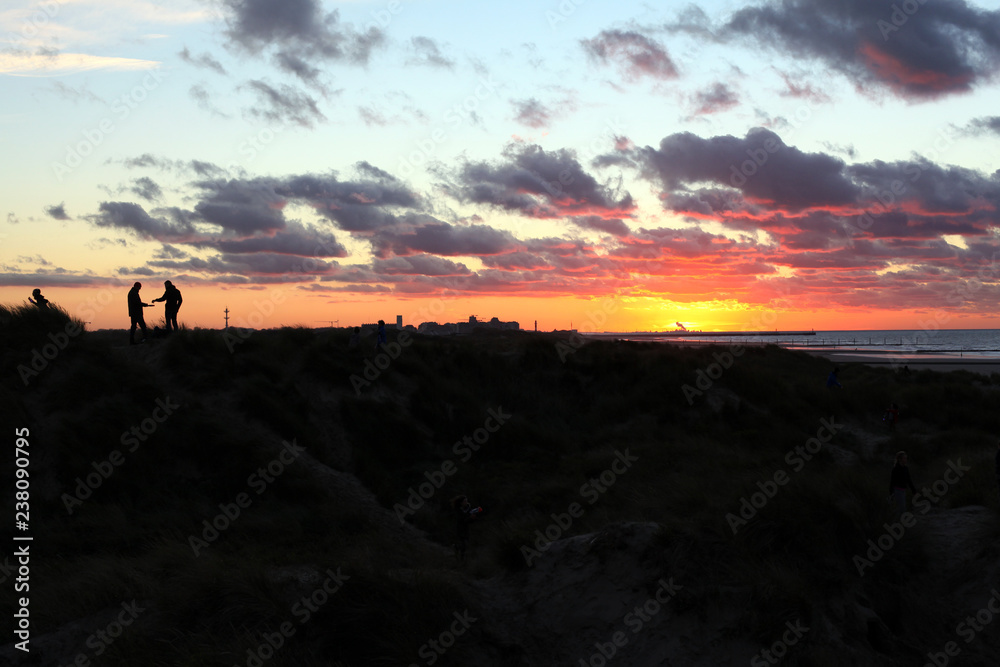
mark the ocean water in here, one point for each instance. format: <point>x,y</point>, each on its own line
<point>982,342</point>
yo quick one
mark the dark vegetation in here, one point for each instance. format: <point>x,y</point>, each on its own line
<point>131,538</point>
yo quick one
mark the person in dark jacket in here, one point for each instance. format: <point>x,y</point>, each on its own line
<point>465,514</point>
<point>135,306</point>
<point>173,299</point>
<point>38,299</point>
<point>899,481</point>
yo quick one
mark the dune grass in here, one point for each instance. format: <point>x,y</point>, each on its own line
<point>569,420</point>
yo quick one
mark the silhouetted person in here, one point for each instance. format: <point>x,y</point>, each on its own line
<point>355,339</point>
<point>891,416</point>
<point>465,514</point>
<point>899,481</point>
<point>832,381</point>
<point>135,306</point>
<point>380,338</point>
<point>172,297</point>
<point>38,299</point>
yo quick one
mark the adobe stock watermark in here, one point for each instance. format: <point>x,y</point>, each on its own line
<point>230,512</point>
<point>595,318</point>
<point>591,491</point>
<point>634,620</point>
<point>923,501</point>
<point>374,368</point>
<point>779,649</point>
<point>245,328</point>
<point>121,108</point>
<point>41,357</point>
<point>913,170</point>
<point>901,13</point>
<point>563,11</point>
<point>456,115</point>
<point>434,648</point>
<point>968,630</point>
<point>33,24</point>
<point>132,438</point>
<point>706,377</point>
<point>103,638</point>
<point>302,610</point>
<point>796,459</point>
<point>759,157</point>
<point>464,449</point>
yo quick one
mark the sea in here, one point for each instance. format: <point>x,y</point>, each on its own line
<point>946,342</point>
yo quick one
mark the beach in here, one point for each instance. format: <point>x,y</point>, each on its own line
<point>972,362</point>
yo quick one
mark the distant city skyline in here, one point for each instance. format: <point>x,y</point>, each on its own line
<point>720,166</point>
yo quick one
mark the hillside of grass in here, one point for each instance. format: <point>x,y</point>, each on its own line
<point>326,470</point>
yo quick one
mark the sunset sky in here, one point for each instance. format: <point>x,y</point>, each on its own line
<point>828,164</point>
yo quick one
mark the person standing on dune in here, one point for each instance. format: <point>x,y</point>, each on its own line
<point>899,481</point>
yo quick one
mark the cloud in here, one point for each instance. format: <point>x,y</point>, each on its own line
<point>716,99</point>
<point>127,215</point>
<point>425,51</point>
<point>21,63</point>
<point>58,212</point>
<point>984,125</point>
<point>940,48</point>
<point>285,104</point>
<point>422,265</point>
<point>299,30</point>
<point>440,238</point>
<point>760,165</point>
<point>146,188</point>
<point>205,61</point>
<point>295,240</point>
<point>532,113</point>
<point>539,184</point>
<point>635,54</point>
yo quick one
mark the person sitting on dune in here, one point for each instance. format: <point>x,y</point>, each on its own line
<point>39,300</point>
<point>899,481</point>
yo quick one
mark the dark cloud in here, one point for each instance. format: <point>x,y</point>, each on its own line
<point>284,105</point>
<point>250,265</point>
<point>422,265</point>
<point>425,51</point>
<point>243,207</point>
<point>126,215</point>
<point>540,184</point>
<point>532,113</point>
<point>612,226</point>
<point>58,212</point>
<point>984,125</point>
<point>297,30</point>
<point>444,239</point>
<point>939,48</point>
<point>295,240</point>
<point>293,64</point>
<point>717,98</point>
<point>201,96</point>
<point>205,61</point>
<point>635,54</point>
<point>146,188</point>
<point>760,165</point>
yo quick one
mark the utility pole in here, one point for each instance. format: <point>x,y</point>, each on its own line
<point>227,318</point>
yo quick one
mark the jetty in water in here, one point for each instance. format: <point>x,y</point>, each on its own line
<point>701,334</point>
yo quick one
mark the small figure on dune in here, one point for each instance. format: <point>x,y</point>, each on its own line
<point>38,299</point>
<point>135,306</point>
<point>173,299</point>
<point>380,338</point>
<point>899,482</point>
<point>832,381</point>
<point>891,416</point>
<point>465,514</point>
<point>355,339</point>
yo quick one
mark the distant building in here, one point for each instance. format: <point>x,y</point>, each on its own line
<point>399,322</point>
